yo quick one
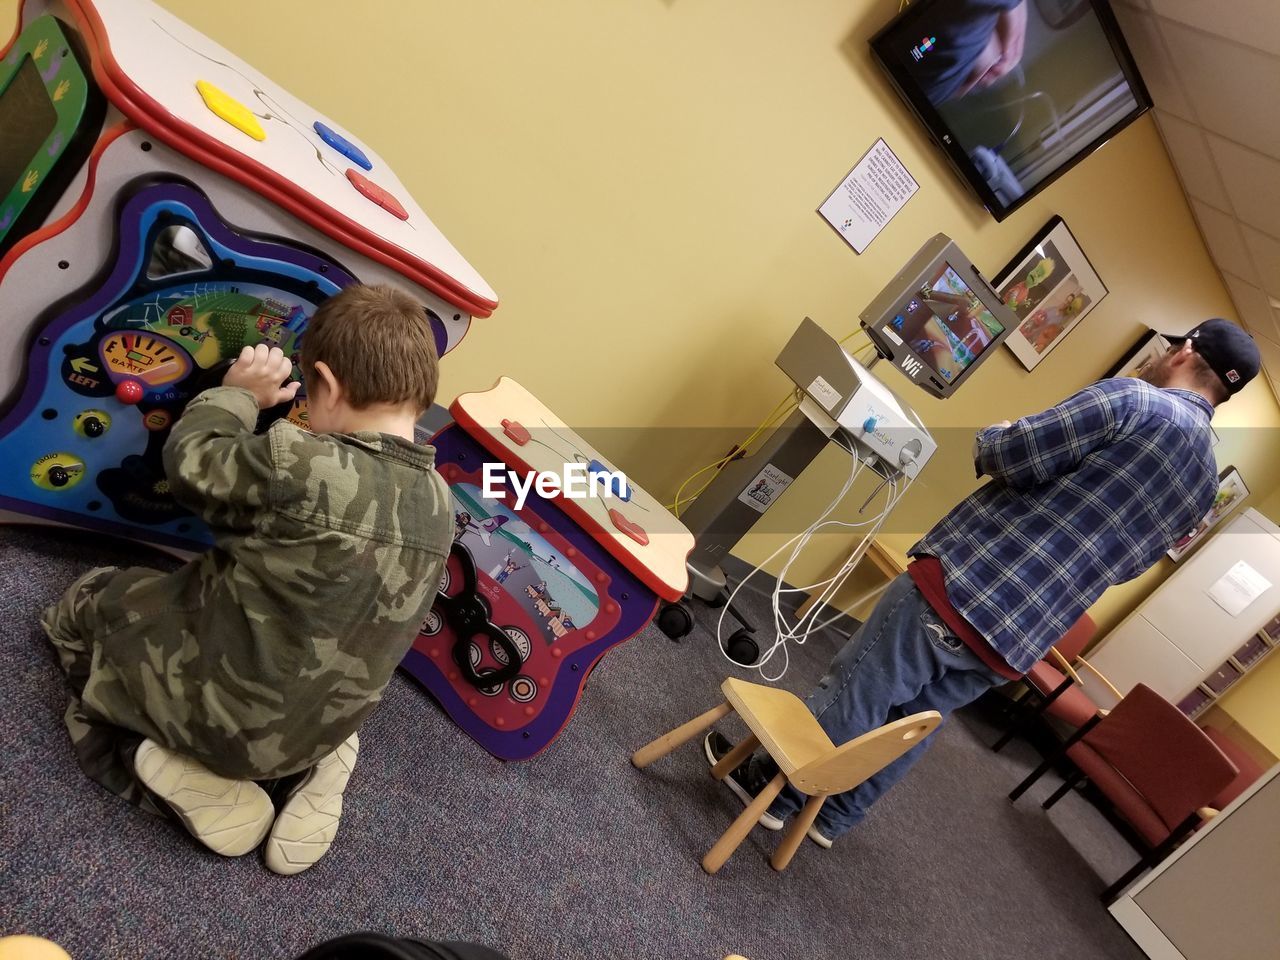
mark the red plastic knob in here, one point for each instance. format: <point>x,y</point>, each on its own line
<point>130,391</point>
<point>516,431</point>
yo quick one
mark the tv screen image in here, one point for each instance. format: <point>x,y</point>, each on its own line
<point>1015,91</point>
<point>946,325</point>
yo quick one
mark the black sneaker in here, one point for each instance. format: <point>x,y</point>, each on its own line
<point>738,780</point>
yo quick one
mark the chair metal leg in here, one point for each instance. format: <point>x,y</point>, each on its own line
<point>680,735</point>
<point>795,835</point>
<point>1017,715</point>
<point>1150,859</point>
<point>739,829</point>
<point>1025,714</point>
<point>1008,735</point>
<point>1041,770</point>
<point>729,762</point>
<point>1074,777</point>
<point>1035,775</point>
<point>1112,893</point>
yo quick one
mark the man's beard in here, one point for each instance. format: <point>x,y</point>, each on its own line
<point>1157,371</point>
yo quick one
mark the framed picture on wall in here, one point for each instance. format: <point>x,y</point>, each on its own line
<point>1231,493</point>
<point>1050,286</point>
<point>1148,347</point>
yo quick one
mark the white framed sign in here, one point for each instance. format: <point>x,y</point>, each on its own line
<point>869,197</point>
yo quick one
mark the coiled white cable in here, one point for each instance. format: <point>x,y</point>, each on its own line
<point>807,624</point>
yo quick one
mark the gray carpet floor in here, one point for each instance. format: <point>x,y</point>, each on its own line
<point>574,854</point>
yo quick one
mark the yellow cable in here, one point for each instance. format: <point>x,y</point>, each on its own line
<point>741,448</point>
<point>850,336</point>
<point>781,409</point>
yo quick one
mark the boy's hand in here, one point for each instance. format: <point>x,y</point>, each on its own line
<point>261,371</point>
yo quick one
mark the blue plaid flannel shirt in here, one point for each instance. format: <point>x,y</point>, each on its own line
<point>1087,494</point>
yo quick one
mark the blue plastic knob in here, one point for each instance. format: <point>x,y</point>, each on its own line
<point>340,143</point>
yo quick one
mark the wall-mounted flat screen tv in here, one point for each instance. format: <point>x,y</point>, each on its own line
<point>1016,92</point>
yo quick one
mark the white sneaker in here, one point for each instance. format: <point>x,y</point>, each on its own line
<point>308,822</point>
<point>818,837</point>
<point>228,816</point>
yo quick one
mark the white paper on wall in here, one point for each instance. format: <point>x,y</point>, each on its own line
<point>869,197</point>
<point>1239,587</point>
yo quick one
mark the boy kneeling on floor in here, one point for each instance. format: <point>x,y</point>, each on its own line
<point>260,659</point>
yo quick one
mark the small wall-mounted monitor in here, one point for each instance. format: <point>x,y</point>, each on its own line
<point>938,319</point>
<point>1015,92</point>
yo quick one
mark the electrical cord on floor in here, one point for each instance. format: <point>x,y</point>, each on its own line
<point>808,624</point>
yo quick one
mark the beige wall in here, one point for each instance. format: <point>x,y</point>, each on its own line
<point>638,181</point>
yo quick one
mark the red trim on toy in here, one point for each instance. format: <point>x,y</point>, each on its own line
<point>132,101</point>
<point>597,530</point>
<point>36,237</point>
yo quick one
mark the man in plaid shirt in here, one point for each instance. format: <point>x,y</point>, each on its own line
<point>1087,494</point>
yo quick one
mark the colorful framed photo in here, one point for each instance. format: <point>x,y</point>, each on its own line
<point>1050,286</point>
<point>1231,493</point>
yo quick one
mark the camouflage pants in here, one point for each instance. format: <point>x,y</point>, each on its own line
<point>104,751</point>
<point>81,625</point>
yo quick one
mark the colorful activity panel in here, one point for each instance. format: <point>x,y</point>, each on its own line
<point>534,595</point>
<point>528,605</point>
<point>50,111</point>
<point>112,366</point>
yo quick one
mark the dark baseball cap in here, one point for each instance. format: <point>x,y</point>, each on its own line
<point>1228,350</point>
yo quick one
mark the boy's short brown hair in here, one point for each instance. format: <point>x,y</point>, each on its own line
<point>378,343</point>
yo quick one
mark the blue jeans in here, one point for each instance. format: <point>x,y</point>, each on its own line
<point>903,660</point>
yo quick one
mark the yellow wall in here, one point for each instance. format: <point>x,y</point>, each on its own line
<point>638,181</point>
<point>1254,703</point>
<point>1270,505</point>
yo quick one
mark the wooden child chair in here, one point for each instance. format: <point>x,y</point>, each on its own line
<point>806,758</point>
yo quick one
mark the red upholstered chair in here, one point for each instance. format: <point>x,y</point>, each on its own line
<point>1250,769</point>
<point>1053,685</point>
<point>1157,768</point>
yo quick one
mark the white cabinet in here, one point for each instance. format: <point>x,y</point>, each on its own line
<point>1215,897</point>
<point>1180,640</point>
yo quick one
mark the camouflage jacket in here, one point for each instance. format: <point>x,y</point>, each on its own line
<point>265,653</point>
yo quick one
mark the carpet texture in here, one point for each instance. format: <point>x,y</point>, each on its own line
<point>574,854</point>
